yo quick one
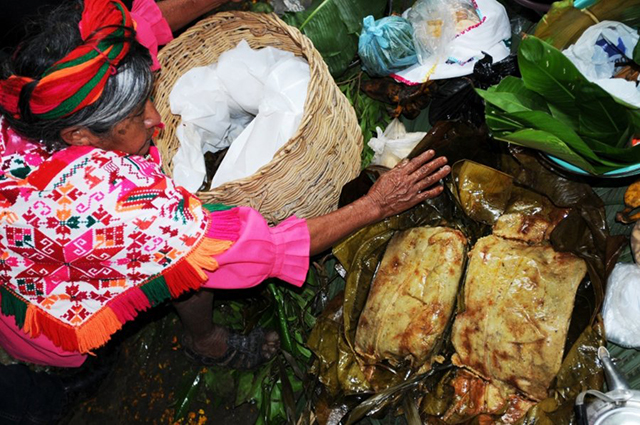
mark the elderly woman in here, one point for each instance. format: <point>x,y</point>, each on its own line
<point>93,232</point>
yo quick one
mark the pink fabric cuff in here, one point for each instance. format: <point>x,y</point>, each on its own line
<point>152,30</point>
<point>261,252</point>
<point>39,350</point>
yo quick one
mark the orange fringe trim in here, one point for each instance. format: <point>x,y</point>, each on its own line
<point>186,275</point>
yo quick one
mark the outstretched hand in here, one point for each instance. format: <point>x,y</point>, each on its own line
<point>408,183</point>
<point>399,189</point>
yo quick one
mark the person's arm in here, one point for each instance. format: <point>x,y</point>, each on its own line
<point>179,13</point>
<point>404,186</point>
<point>283,251</point>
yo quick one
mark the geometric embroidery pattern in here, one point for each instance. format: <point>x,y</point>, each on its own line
<point>95,227</point>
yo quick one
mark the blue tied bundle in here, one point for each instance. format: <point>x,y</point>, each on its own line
<point>386,45</point>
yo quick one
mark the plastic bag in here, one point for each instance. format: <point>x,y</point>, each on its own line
<point>469,43</point>
<point>394,144</point>
<point>621,309</point>
<point>386,45</point>
<point>433,26</point>
<point>597,54</point>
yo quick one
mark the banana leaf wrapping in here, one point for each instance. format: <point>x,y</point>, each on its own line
<point>412,296</point>
<point>514,182</point>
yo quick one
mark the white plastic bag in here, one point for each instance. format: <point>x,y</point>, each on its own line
<point>469,45</point>
<point>394,144</point>
<point>595,55</point>
<point>251,101</point>
<point>621,309</point>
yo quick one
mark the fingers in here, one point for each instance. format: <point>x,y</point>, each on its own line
<point>420,160</point>
<point>429,168</point>
<point>431,193</point>
<point>431,178</point>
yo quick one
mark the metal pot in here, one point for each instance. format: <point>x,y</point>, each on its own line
<point>619,406</point>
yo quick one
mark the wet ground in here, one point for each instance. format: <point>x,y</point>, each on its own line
<point>153,382</point>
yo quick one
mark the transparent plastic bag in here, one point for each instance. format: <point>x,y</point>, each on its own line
<point>621,309</point>
<point>437,22</point>
<point>386,45</point>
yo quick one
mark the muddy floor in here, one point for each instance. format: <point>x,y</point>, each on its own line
<point>153,382</point>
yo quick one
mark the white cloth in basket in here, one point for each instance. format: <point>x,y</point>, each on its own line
<point>251,101</point>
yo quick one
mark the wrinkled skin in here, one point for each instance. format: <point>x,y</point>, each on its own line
<point>409,183</point>
<point>406,185</point>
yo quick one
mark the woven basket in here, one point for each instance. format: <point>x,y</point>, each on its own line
<point>306,175</point>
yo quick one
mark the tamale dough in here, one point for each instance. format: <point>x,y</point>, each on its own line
<point>518,301</point>
<point>412,296</point>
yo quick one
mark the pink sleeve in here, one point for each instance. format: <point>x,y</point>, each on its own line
<point>152,30</point>
<point>262,252</point>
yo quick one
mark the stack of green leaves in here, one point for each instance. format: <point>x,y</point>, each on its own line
<point>555,109</point>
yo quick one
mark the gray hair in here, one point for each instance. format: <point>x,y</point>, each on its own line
<point>128,89</point>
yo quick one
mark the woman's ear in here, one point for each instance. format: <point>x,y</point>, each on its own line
<point>78,136</point>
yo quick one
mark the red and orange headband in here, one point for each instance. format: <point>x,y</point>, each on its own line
<point>78,79</point>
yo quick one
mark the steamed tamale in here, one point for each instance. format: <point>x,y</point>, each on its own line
<point>518,301</point>
<point>412,296</point>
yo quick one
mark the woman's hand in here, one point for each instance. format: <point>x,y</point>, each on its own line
<point>408,184</point>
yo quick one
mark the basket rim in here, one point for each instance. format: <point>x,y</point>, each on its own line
<point>316,68</point>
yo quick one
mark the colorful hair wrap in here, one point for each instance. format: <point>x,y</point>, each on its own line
<point>78,79</point>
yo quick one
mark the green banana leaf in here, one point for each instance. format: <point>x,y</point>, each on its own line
<point>334,27</point>
<point>519,98</point>
<point>540,120</point>
<point>549,144</point>
<point>564,24</point>
<point>636,54</point>
<point>555,109</point>
<point>584,105</point>
<point>529,186</point>
<point>521,108</point>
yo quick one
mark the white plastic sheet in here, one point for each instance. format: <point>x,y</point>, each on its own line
<point>251,101</point>
<point>394,144</point>
<point>621,309</point>
<point>595,55</point>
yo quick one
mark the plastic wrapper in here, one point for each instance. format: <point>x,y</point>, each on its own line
<point>597,54</point>
<point>478,30</point>
<point>434,25</point>
<point>621,309</point>
<point>394,144</point>
<point>386,45</point>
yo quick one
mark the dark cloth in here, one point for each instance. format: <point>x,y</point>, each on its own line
<point>30,398</point>
<point>16,16</point>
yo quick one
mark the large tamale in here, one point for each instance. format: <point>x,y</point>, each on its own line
<point>518,301</point>
<point>412,296</point>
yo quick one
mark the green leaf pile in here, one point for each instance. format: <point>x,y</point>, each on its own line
<point>555,109</point>
<point>334,27</point>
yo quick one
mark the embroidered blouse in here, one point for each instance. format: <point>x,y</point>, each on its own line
<point>88,238</point>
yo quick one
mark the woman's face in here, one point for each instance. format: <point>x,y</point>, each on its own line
<point>133,134</point>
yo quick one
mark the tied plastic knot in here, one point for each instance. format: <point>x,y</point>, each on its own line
<point>375,30</point>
